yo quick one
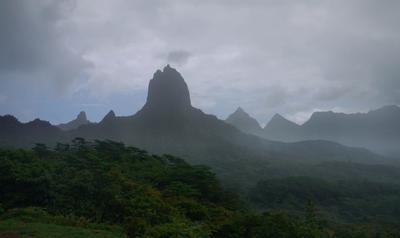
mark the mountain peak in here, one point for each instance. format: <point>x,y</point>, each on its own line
<point>243,121</point>
<point>278,116</point>
<point>82,116</point>
<point>238,113</point>
<point>278,121</point>
<point>168,93</point>
<point>240,110</point>
<point>80,120</point>
<point>109,117</point>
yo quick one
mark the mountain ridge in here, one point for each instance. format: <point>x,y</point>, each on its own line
<point>169,124</point>
<point>377,130</point>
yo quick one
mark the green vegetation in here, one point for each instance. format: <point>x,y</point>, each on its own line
<point>342,200</point>
<point>35,222</point>
<point>106,189</point>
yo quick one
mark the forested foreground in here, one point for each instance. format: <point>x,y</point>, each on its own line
<point>106,189</point>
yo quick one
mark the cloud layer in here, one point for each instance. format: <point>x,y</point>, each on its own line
<point>290,57</point>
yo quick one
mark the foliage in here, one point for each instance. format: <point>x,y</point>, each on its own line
<point>107,182</point>
<point>345,200</point>
<point>35,222</point>
<point>106,189</point>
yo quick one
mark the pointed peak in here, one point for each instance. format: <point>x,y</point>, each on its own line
<point>239,113</point>
<point>111,113</point>
<point>278,116</point>
<point>279,120</point>
<point>240,110</point>
<point>110,116</point>
<point>243,121</point>
<point>168,67</point>
<point>82,116</point>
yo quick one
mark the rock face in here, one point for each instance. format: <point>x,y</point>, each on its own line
<point>80,120</point>
<point>167,93</point>
<point>244,122</point>
<point>168,105</point>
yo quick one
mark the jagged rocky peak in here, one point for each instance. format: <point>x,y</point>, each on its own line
<point>80,120</point>
<point>167,91</point>
<point>82,116</point>
<point>277,117</point>
<point>238,114</point>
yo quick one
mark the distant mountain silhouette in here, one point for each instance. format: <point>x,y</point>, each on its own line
<point>244,122</point>
<point>377,130</point>
<point>281,129</point>
<point>168,123</point>
<point>80,120</point>
<point>109,118</point>
<point>13,133</point>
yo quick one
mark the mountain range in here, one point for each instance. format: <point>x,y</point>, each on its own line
<point>168,123</point>
<point>377,130</point>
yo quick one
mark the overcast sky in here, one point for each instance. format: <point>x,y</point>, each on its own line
<point>289,57</point>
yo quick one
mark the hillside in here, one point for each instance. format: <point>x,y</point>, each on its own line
<point>106,189</point>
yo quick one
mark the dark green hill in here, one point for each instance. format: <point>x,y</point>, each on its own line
<point>106,189</point>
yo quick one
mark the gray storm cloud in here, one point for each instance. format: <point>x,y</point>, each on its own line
<point>179,57</point>
<point>31,47</point>
<point>291,57</point>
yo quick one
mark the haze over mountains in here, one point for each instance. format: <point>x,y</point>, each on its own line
<point>377,130</point>
<point>168,123</point>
